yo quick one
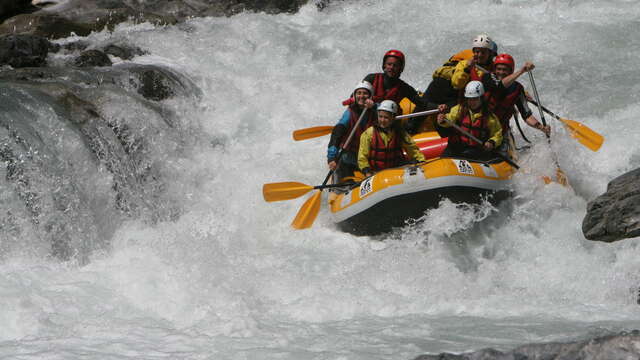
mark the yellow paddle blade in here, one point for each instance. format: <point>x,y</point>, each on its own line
<point>311,132</point>
<point>284,190</point>
<point>584,134</point>
<point>308,212</point>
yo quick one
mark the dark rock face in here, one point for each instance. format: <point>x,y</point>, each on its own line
<point>152,82</point>
<point>49,25</point>
<point>615,215</point>
<point>23,50</point>
<point>623,346</point>
<point>92,58</point>
<point>83,16</point>
<point>154,85</point>
<point>10,8</point>
<point>124,52</point>
<point>50,186</point>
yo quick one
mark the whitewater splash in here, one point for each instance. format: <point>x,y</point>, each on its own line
<point>225,276</point>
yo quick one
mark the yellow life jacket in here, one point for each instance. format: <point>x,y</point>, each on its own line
<point>446,70</point>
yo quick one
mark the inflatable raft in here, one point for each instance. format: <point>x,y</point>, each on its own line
<point>392,196</point>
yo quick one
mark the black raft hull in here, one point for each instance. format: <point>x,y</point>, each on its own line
<point>399,210</point>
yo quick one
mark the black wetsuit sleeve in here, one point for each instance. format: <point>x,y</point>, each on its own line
<point>492,83</point>
<point>338,133</point>
<point>421,102</point>
<point>440,91</point>
<point>523,107</point>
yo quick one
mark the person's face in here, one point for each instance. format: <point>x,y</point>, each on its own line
<point>474,103</point>
<point>392,66</point>
<point>385,119</point>
<point>481,55</point>
<point>503,71</point>
<point>361,95</point>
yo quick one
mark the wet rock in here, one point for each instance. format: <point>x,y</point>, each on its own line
<point>179,9</point>
<point>322,4</point>
<point>615,215</point>
<point>620,346</point>
<point>124,52</point>
<point>232,7</point>
<point>44,182</point>
<point>94,17</point>
<point>155,85</point>
<point>83,16</point>
<point>76,45</point>
<point>92,58</point>
<point>101,19</point>
<point>152,82</point>
<point>23,50</point>
<point>9,8</point>
<point>275,6</point>
<point>50,26</point>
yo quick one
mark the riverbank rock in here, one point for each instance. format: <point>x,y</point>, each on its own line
<point>9,8</point>
<point>622,346</point>
<point>615,215</point>
<point>50,26</point>
<point>58,19</point>
<point>92,58</point>
<point>152,82</point>
<point>23,50</point>
<point>124,52</point>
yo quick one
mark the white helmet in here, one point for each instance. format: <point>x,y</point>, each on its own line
<point>364,85</point>
<point>388,105</point>
<point>474,89</point>
<point>484,41</point>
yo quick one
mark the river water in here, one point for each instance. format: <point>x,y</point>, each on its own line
<point>219,274</point>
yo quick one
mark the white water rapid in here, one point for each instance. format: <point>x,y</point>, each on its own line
<point>227,278</point>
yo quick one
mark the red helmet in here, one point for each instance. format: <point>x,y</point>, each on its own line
<point>395,53</point>
<point>505,59</point>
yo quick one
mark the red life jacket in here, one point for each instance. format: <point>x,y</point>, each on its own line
<point>502,104</point>
<point>379,93</point>
<point>368,121</point>
<point>383,157</point>
<point>473,74</point>
<point>476,127</point>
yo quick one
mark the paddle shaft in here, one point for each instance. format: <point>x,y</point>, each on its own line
<point>545,109</point>
<point>353,132</point>
<point>467,134</point>
<point>562,178</point>
<point>538,103</point>
<point>346,144</point>
<point>428,112</point>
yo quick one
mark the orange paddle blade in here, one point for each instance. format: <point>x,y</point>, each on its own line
<point>284,190</point>
<point>311,132</point>
<point>308,212</point>
<point>561,177</point>
<point>584,134</point>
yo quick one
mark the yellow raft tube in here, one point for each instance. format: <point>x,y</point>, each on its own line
<point>392,196</point>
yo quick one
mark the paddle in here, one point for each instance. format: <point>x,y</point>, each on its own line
<point>309,211</point>
<point>317,131</point>
<point>504,157</point>
<point>312,132</point>
<point>560,175</point>
<point>587,137</point>
<point>290,190</point>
